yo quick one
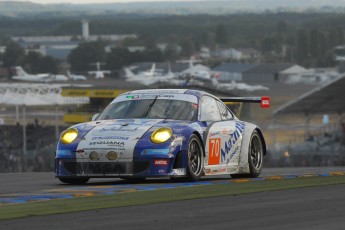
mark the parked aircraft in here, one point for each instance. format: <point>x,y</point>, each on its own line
<point>197,71</point>
<point>21,75</point>
<point>75,77</point>
<point>241,86</point>
<point>148,77</point>
<point>98,73</point>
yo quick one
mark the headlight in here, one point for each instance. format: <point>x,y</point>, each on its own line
<point>161,135</point>
<point>69,135</point>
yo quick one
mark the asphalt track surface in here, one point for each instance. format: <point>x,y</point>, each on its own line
<point>314,208</point>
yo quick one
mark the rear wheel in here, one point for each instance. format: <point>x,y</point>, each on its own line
<point>255,154</point>
<point>74,180</point>
<point>255,157</point>
<point>195,156</point>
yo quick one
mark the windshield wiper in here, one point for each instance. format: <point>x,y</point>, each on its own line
<point>150,106</point>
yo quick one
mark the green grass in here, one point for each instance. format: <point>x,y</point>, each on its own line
<point>12,211</point>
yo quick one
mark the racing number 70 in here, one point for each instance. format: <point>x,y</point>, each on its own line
<point>214,151</point>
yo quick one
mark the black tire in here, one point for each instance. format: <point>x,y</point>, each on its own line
<point>195,156</point>
<point>74,180</point>
<point>255,154</point>
<point>255,157</point>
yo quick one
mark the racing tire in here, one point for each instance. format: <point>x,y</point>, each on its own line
<point>195,157</point>
<point>74,180</point>
<point>255,157</point>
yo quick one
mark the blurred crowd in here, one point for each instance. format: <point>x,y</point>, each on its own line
<point>323,148</point>
<point>41,144</point>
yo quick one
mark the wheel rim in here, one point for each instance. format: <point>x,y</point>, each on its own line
<point>256,152</point>
<point>194,157</point>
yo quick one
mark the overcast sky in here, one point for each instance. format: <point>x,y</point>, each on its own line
<point>94,1</point>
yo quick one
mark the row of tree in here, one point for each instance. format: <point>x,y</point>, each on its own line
<point>306,39</point>
<point>32,61</point>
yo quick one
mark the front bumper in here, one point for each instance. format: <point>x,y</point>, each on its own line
<point>155,167</point>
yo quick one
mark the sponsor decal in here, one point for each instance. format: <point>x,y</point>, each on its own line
<point>178,172</point>
<point>207,171</point>
<point>105,149</point>
<point>166,96</point>
<point>108,143</point>
<point>178,140</point>
<point>161,91</point>
<point>225,132</point>
<point>121,129</point>
<point>161,96</point>
<point>234,137</point>
<point>265,102</point>
<point>161,162</point>
<point>214,171</point>
<point>212,134</point>
<point>133,97</point>
<point>214,151</point>
<point>148,96</point>
<point>151,94</point>
<point>111,138</point>
<point>222,170</point>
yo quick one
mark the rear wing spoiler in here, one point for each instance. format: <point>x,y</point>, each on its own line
<point>264,101</point>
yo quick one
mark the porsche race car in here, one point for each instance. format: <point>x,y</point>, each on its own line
<point>162,133</point>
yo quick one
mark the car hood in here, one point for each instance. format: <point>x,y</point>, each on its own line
<point>117,135</point>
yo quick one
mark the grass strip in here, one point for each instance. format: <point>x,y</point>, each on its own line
<point>58,206</point>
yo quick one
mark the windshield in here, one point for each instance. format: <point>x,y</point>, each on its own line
<point>152,109</point>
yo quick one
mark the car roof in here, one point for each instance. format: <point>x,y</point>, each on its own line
<point>197,93</point>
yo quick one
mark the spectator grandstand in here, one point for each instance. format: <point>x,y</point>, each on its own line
<point>40,148</point>
<point>323,145</point>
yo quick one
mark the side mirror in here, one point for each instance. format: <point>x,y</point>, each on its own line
<point>95,116</point>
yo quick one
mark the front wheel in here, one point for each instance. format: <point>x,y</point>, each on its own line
<point>74,180</point>
<point>195,156</point>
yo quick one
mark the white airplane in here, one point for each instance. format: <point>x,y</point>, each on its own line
<point>241,86</point>
<point>74,77</point>
<point>189,61</point>
<point>148,77</point>
<point>99,74</point>
<point>21,75</point>
<point>197,72</point>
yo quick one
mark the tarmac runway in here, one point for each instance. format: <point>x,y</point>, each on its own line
<point>314,208</point>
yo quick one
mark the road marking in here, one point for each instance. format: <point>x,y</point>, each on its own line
<point>93,190</point>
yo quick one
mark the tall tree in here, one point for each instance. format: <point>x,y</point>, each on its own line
<point>282,27</point>
<point>302,52</point>
<point>119,57</point>
<point>221,34</point>
<point>315,43</point>
<point>188,47</point>
<point>12,55</point>
<point>86,53</point>
<point>341,39</point>
<point>333,38</point>
<point>32,62</point>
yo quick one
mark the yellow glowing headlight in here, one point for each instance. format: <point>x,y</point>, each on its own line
<point>69,135</point>
<point>161,135</point>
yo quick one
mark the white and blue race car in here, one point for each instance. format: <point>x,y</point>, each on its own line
<point>162,133</point>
